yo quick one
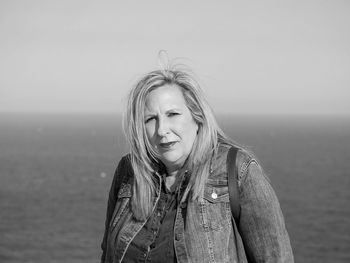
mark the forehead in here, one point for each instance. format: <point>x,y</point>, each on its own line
<point>165,96</point>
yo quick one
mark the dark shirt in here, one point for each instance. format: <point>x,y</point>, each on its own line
<point>155,241</point>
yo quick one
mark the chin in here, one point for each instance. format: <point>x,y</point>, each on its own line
<point>172,159</point>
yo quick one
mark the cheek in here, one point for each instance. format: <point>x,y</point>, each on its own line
<point>191,132</point>
<point>194,132</point>
<point>150,132</point>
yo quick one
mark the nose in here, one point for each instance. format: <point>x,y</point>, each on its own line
<point>163,127</point>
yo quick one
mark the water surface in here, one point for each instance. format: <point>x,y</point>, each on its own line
<point>55,173</point>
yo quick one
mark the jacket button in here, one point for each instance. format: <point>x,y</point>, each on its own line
<point>214,195</point>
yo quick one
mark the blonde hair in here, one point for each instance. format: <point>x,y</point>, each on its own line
<point>144,160</point>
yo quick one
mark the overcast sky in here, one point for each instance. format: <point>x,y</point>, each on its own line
<point>250,56</point>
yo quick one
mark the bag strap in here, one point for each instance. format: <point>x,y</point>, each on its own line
<point>233,190</point>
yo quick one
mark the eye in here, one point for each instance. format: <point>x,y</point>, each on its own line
<point>170,114</point>
<point>149,119</point>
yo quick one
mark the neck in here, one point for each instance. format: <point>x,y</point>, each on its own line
<point>173,170</point>
<point>172,173</point>
<point>172,179</point>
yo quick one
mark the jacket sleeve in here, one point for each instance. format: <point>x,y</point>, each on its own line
<point>112,199</point>
<point>261,223</point>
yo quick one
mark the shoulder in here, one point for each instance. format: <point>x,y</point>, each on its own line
<point>125,162</point>
<point>250,172</point>
<point>245,159</point>
<point>124,169</point>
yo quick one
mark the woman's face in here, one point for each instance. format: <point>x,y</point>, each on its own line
<point>170,127</point>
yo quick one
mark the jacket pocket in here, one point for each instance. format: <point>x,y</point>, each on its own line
<point>215,213</point>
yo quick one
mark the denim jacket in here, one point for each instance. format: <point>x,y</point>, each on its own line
<point>204,230</point>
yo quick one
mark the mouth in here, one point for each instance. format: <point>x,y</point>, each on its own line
<point>167,145</point>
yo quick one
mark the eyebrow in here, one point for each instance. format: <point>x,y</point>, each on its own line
<point>173,109</point>
<point>149,114</point>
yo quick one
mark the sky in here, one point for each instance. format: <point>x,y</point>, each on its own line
<point>250,57</point>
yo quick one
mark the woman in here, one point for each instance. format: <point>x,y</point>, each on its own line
<point>169,198</point>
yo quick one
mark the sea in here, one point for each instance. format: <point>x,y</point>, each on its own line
<point>56,170</point>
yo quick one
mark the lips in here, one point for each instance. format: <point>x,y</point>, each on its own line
<point>166,145</point>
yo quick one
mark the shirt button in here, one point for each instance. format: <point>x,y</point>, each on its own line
<point>214,195</point>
